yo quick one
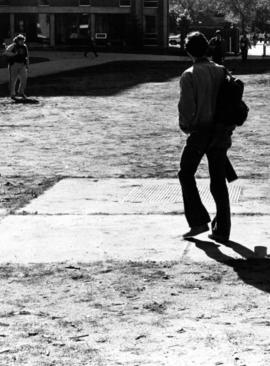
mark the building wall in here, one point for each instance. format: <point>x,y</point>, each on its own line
<point>145,26</point>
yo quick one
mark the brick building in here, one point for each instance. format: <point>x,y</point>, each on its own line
<point>132,23</point>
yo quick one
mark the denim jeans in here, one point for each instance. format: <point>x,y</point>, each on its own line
<point>198,145</point>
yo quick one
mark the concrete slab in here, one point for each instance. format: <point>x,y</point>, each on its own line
<point>112,196</point>
<point>92,220</point>
<point>42,239</point>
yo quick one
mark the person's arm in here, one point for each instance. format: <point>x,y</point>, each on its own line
<point>186,105</point>
<point>27,58</point>
<point>9,51</point>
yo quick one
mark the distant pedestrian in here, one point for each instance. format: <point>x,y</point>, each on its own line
<point>261,37</point>
<point>90,46</point>
<point>18,64</point>
<point>217,48</point>
<point>255,40</point>
<point>245,45</point>
<point>199,89</point>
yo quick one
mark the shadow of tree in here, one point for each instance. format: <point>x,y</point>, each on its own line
<point>252,270</point>
<point>112,78</point>
<point>103,80</point>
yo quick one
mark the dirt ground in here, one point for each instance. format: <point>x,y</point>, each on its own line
<point>135,314</point>
<point>121,121</point>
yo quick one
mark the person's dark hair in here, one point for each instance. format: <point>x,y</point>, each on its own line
<point>197,44</point>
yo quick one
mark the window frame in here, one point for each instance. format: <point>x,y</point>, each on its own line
<point>124,6</point>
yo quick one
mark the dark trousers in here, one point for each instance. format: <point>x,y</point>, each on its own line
<point>196,214</point>
<point>244,52</point>
<point>90,48</point>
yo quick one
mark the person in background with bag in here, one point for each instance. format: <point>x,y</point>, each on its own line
<point>18,63</point>
<point>245,45</point>
<point>217,48</point>
<point>199,89</point>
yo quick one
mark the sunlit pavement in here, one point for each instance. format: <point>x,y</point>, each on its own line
<point>90,220</point>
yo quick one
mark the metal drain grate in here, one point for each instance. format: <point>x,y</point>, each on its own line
<point>173,193</point>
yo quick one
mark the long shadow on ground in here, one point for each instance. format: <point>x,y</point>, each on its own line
<point>102,80</point>
<point>253,271</point>
<point>115,77</point>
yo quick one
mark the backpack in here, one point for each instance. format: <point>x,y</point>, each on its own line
<point>230,108</point>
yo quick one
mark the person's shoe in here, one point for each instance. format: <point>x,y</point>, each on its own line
<point>218,238</point>
<point>23,96</point>
<point>196,230</point>
<point>13,97</point>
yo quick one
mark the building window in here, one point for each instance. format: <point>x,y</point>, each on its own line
<point>44,2</point>
<point>36,27</point>
<point>150,3</point>
<point>4,28</point>
<point>85,2</point>
<point>124,3</point>
<point>150,24</point>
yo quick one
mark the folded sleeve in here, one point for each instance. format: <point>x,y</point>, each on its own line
<point>9,51</point>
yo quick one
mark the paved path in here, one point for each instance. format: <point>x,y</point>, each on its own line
<point>69,61</point>
<point>90,220</point>
<point>64,61</point>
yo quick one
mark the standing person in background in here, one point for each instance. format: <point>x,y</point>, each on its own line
<point>18,63</point>
<point>244,46</point>
<point>217,48</point>
<point>261,37</point>
<point>90,47</point>
<point>255,40</point>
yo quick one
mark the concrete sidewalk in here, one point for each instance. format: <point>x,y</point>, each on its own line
<point>84,220</point>
<point>66,61</point>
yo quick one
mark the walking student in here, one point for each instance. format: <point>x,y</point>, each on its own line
<point>217,48</point>
<point>90,47</point>
<point>199,88</point>
<point>18,63</point>
<point>245,45</point>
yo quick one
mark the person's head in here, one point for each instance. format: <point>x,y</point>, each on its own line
<point>19,39</point>
<point>197,44</point>
<point>218,34</point>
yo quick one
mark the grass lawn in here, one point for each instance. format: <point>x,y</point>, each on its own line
<point>120,120</point>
